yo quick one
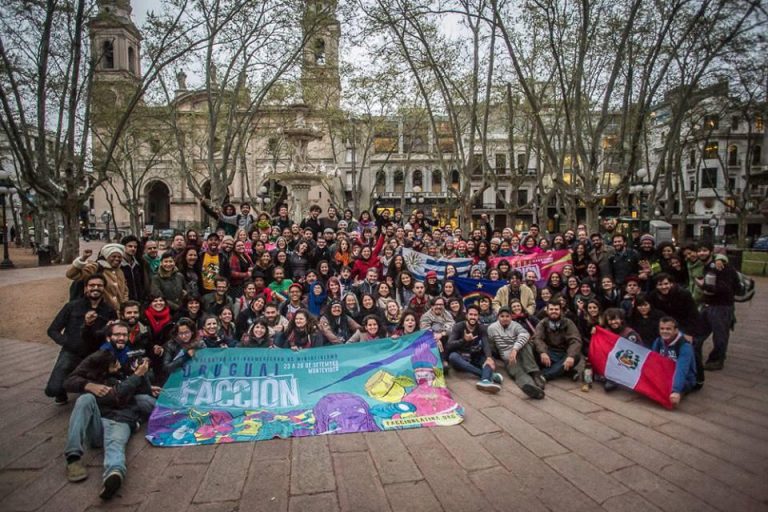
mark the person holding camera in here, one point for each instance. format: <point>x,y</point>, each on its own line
<point>108,411</point>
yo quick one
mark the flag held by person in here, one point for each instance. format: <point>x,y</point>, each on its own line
<point>419,264</point>
<point>632,365</point>
<point>472,289</point>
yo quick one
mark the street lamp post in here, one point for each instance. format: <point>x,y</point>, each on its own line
<point>416,198</point>
<point>263,198</point>
<point>105,218</point>
<point>642,187</point>
<point>7,189</point>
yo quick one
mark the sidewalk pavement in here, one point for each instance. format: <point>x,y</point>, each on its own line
<point>572,451</point>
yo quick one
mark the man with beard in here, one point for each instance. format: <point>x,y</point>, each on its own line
<point>107,411</point>
<point>211,263</point>
<point>134,269</point>
<point>469,351</point>
<point>614,321</point>
<point>557,341</point>
<point>515,290</point>
<point>625,262</point>
<point>139,338</point>
<point>601,254</point>
<point>512,342</point>
<point>66,330</point>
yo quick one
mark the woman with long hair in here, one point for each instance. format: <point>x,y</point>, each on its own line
<point>521,316</point>
<point>372,330</point>
<point>186,263</point>
<point>257,336</point>
<point>343,254</point>
<point>555,282</point>
<point>529,246</point>
<point>333,289</point>
<point>581,259</point>
<point>396,266</point>
<point>181,348</point>
<point>404,292</point>
<point>227,322</point>
<point>240,266</point>
<point>301,332</point>
<point>409,324</point>
<point>392,315</point>
<point>299,259</point>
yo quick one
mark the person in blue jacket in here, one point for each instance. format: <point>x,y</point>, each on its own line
<point>673,345</point>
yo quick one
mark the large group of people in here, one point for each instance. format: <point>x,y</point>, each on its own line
<point>144,307</point>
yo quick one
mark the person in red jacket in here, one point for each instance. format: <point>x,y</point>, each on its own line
<point>368,259</point>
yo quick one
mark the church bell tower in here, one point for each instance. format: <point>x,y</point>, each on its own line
<point>320,81</point>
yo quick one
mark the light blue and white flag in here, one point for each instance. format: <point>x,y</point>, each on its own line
<point>419,264</point>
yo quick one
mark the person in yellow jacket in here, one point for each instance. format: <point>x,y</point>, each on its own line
<point>108,265</point>
<point>515,290</point>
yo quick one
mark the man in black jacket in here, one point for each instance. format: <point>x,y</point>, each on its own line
<point>66,330</point>
<point>469,351</point>
<point>107,412</point>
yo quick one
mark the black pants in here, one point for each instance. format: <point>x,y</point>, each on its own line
<point>65,364</point>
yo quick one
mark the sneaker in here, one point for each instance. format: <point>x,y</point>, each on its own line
<point>539,380</point>
<point>111,484</point>
<point>713,366</point>
<point>488,386</point>
<point>76,472</point>
<point>497,378</point>
<point>532,391</point>
<point>61,400</point>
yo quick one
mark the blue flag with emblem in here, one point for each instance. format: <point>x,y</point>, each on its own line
<point>472,289</point>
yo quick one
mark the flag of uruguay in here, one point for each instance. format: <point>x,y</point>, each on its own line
<point>419,264</point>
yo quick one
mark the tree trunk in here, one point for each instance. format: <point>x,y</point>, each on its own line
<point>70,216</point>
<point>742,233</point>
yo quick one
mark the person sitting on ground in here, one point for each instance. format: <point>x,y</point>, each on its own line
<point>673,345</point>
<point>469,351</point>
<point>557,341</point>
<point>336,326</point>
<point>511,340</point>
<point>106,413</point>
<point>615,322</point>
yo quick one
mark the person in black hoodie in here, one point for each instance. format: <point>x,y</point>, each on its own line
<point>718,287</point>
<point>645,320</point>
<point>66,330</point>
<point>107,412</point>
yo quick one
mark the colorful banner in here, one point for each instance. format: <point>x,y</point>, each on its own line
<point>419,264</point>
<point>632,365</point>
<point>472,289</point>
<point>543,264</point>
<point>242,394</point>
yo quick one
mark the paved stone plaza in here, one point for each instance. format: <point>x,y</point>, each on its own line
<point>572,451</point>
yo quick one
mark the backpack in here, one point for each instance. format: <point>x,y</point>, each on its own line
<point>745,288</point>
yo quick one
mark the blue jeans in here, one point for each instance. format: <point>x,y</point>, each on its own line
<point>86,424</point>
<point>475,365</point>
<point>556,369</point>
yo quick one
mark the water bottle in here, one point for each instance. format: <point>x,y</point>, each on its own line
<point>587,376</point>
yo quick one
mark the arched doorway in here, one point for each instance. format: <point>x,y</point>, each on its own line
<point>158,205</point>
<point>276,192</point>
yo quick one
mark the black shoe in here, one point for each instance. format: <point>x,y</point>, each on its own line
<point>61,400</point>
<point>111,484</point>
<point>610,386</point>
<point>539,380</point>
<point>697,386</point>
<point>714,366</point>
<point>532,391</point>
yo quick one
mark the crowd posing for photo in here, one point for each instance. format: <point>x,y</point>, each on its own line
<point>143,307</point>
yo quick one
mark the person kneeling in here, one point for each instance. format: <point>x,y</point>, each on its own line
<point>106,414</point>
<point>469,351</point>
<point>673,345</point>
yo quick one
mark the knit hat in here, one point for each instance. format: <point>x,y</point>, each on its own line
<point>110,249</point>
<point>431,273</point>
<point>647,237</point>
<point>329,230</point>
<point>296,285</point>
<point>721,257</point>
<point>496,241</point>
<point>228,238</point>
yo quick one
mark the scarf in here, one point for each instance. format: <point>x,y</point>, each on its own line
<point>154,263</point>
<point>158,319</point>
<point>554,326</point>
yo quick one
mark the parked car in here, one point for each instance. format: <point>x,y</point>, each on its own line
<point>761,244</point>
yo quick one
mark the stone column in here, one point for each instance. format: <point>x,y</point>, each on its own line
<point>300,193</point>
